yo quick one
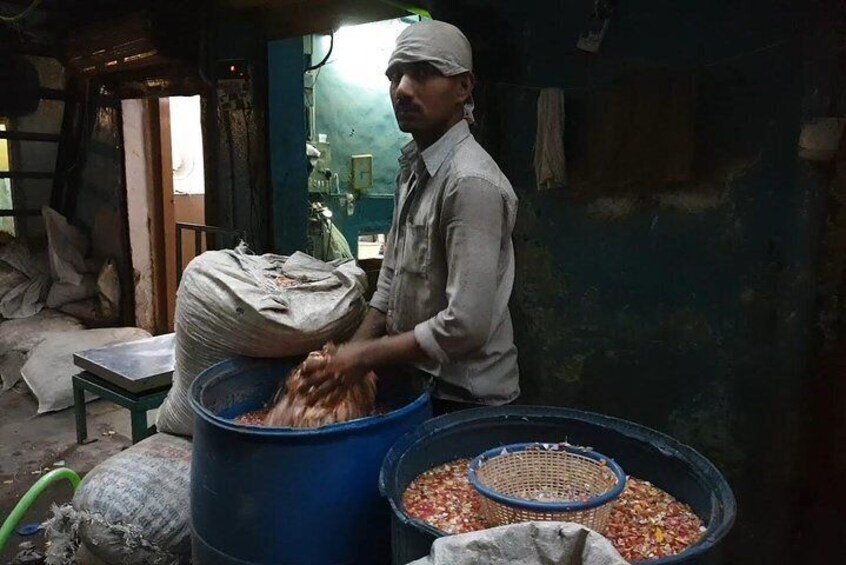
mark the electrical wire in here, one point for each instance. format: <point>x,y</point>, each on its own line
<point>25,13</point>
<point>328,54</point>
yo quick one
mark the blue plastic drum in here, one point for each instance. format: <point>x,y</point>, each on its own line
<point>281,495</point>
<point>642,452</point>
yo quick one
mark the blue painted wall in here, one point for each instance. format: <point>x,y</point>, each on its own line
<point>685,308</point>
<point>371,215</point>
<point>353,106</point>
<point>354,111</point>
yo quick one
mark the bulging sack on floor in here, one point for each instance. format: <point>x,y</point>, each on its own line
<point>530,543</point>
<point>19,337</point>
<point>10,278</point>
<point>231,303</point>
<point>49,368</point>
<point>133,508</point>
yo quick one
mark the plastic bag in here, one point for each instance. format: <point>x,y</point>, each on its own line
<point>233,303</point>
<point>67,246</point>
<point>108,290</point>
<point>49,368</point>
<point>62,293</point>
<point>529,543</point>
<point>18,256</point>
<point>133,508</point>
<point>26,299</point>
<point>10,368</point>
<point>89,312</point>
<point>23,335</point>
<point>9,278</point>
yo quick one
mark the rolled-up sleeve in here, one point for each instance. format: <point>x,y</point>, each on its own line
<point>472,221</point>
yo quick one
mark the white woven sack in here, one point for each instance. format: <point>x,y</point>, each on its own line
<point>231,303</point>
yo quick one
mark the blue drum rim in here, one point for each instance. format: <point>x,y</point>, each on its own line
<point>723,500</point>
<point>225,368</point>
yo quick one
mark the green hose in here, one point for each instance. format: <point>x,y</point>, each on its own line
<point>34,492</point>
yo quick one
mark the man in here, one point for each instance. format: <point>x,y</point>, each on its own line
<point>442,297</point>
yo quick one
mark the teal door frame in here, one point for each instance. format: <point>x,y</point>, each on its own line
<point>287,138</point>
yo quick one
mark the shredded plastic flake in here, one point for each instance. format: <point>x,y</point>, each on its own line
<point>646,522</point>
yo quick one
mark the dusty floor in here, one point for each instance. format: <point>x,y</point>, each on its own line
<point>29,444</point>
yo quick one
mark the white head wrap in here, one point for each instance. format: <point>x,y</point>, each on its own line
<point>442,45</point>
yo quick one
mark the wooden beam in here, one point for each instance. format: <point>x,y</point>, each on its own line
<point>160,208</point>
<point>167,243</point>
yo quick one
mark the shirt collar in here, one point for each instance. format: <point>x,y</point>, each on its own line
<point>435,155</point>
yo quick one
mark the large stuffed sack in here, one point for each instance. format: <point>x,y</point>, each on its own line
<point>529,543</point>
<point>10,278</point>
<point>49,368</point>
<point>19,337</point>
<point>231,303</point>
<point>26,298</point>
<point>132,509</point>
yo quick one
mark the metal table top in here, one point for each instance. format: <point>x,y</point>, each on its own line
<point>136,366</point>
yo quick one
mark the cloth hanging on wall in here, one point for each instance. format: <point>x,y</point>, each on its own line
<point>550,161</point>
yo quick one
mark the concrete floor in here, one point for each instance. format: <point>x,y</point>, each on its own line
<point>29,444</point>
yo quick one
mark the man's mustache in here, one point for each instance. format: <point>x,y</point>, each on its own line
<point>406,107</point>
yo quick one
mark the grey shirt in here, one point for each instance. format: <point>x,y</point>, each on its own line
<point>448,269</point>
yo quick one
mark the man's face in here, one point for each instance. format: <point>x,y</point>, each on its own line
<point>424,100</point>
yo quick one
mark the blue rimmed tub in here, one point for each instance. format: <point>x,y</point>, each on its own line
<point>277,495</point>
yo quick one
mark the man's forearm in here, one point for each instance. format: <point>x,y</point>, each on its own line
<point>355,358</point>
<point>399,349</point>
<point>372,327</point>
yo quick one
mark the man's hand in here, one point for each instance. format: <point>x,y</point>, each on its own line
<point>323,373</point>
<point>353,360</point>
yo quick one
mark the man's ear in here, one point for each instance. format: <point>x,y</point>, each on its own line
<point>466,82</point>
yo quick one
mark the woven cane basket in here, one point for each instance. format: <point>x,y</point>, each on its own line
<point>547,482</point>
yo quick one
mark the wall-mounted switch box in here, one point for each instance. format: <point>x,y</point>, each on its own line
<point>361,169</point>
